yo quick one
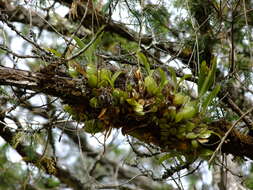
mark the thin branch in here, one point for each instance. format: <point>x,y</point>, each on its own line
<point>7,49</point>
<point>76,30</point>
<point>4,18</point>
<point>227,133</point>
<point>88,45</point>
<point>117,186</point>
<point>239,112</point>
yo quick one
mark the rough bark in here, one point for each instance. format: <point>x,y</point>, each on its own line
<point>69,91</point>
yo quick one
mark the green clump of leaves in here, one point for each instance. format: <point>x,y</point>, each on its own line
<point>137,107</point>
<point>94,102</point>
<point>186,112</point>
<point>76,115</point>
<point>119,96</point>
<point>48,182</point>
<point>205,82</point>
<point>180,99</point>
<point>150,95</point>
<point>93,126</point>
<point>151,85</point>
<point>92,75</point>
<point>100,77</point>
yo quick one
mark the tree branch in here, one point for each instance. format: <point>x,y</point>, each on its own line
<point>69,90</point>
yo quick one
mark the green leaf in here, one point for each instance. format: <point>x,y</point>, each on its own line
<point>143,59</point>
<point>91,69</point>
<point>91,45</point>
<point>209,98</point>
<point>205,134</point>
<point>117,93</point>
<point>54,51</point>
<point>164,79</point>
<point>114,77</point>
<point>92,74</point>
<point>189,126</point>
<point>93,126</point>
<point>79,42</point>
<point>165,157</point>
<point>208,81</point>
<point>132,101</point>
<point>205,153</point>
<point>182,79</point>
<point>93,102</point>
<point>73,72</point>
<point>173,76</point>
<point>194,143</point>
<point>151,85</point>
<point>187,112</point>
<point>202,75</point>
<point>138,108</point>
<point>92,80</point>
<point>180,99</point>
<point>2,51</point>
<point>105,74</point>
<point>191,135</point>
